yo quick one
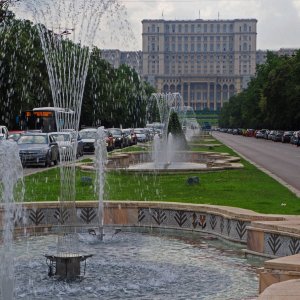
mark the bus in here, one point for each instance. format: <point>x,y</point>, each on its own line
<point>45,119</point>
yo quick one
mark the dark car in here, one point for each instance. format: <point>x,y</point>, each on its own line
<point>88,138</point>
<point>38,149</point>
<point>286,138</point>
<point>118,136</point>
<point>278,136</point>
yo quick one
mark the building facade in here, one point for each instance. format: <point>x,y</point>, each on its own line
<point>117,57</point>
<point>207,61</point>
<point>261,55</point>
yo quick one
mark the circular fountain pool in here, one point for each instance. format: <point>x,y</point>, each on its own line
<point>139,266</point>
<point>174,166</point>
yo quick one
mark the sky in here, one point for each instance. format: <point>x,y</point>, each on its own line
<point>278,20</point>
<point>278,23</point>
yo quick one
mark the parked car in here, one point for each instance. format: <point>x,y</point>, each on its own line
<point>67,144</point>
<point>286,137</point>
<point>14,135</point>
<point>271,135</point>
<point>260,133</point>
<point>295,138</point>
<point>278,136</point>
<point>249,132</point>
<point>141,135</point>
<point>38,148</point>
<point>118,136</point>
<point>131,136</point>
<point>79,142</point>
<point>3,133</point>
<point>109,140</point>
<point>88,137</point>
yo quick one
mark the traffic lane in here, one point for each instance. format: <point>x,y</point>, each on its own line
<point>278,158</point>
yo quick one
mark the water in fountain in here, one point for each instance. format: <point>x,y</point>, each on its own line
<point>163,148</point>
<point>188,121</point>
<point>67,31</point>
<point>11,191</point>
<point>100,162</point>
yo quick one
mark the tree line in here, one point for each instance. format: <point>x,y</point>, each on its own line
<point>112,97</point>
<point>271,100</point>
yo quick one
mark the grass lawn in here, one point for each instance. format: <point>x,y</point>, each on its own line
<point>247,188</point>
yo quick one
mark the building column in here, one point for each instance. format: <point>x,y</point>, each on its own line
<point>189,94</point>
<point>215,96</point>
<point>208,95</point>
<point>222,95</point>
<point>181,92</point>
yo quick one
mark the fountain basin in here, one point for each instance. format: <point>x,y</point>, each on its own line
<point>183,161</point>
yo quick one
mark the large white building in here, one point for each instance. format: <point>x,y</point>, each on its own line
<point>207,61</point>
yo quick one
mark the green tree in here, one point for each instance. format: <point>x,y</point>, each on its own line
<point>175,129</point>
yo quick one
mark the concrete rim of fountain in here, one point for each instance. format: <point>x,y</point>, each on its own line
<point>193,161</point>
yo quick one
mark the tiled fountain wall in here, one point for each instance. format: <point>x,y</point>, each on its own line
<point>229,223</point>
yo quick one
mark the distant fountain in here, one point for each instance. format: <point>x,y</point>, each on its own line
<point>188,121</point>
<point>11,192</point>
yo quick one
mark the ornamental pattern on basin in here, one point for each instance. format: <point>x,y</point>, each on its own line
<point>279,245</point>
<point>228,228</point>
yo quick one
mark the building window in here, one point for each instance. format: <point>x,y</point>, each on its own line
<point>192,28</point>
<point>245,27</point>
<point>224,28</point>
<point>153,28</point>
<point>199,28</point>
<point>167,28</point>
<point>173,27</point>
<point>205,28</point>
<point>231,27</point>
<point>211,28</point>
<point>186,28</point>
<point>218,28</point>
<point>179,28</point>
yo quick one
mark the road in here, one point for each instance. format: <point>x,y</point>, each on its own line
<point>281,160</point>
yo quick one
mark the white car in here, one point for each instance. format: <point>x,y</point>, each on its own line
<point>66,144</point>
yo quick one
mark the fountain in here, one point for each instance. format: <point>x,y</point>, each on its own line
<point>169,152</point>
<point>67,32</point>
<point>11,192</point>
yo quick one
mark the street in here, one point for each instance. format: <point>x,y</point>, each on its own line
<point>282,160</point>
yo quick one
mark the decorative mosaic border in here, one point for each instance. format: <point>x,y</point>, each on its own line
<point>281,245</point>
<point>228,228</point>
<point>221,222</point>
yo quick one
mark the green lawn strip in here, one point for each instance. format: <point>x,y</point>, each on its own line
<point>247,188</point>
